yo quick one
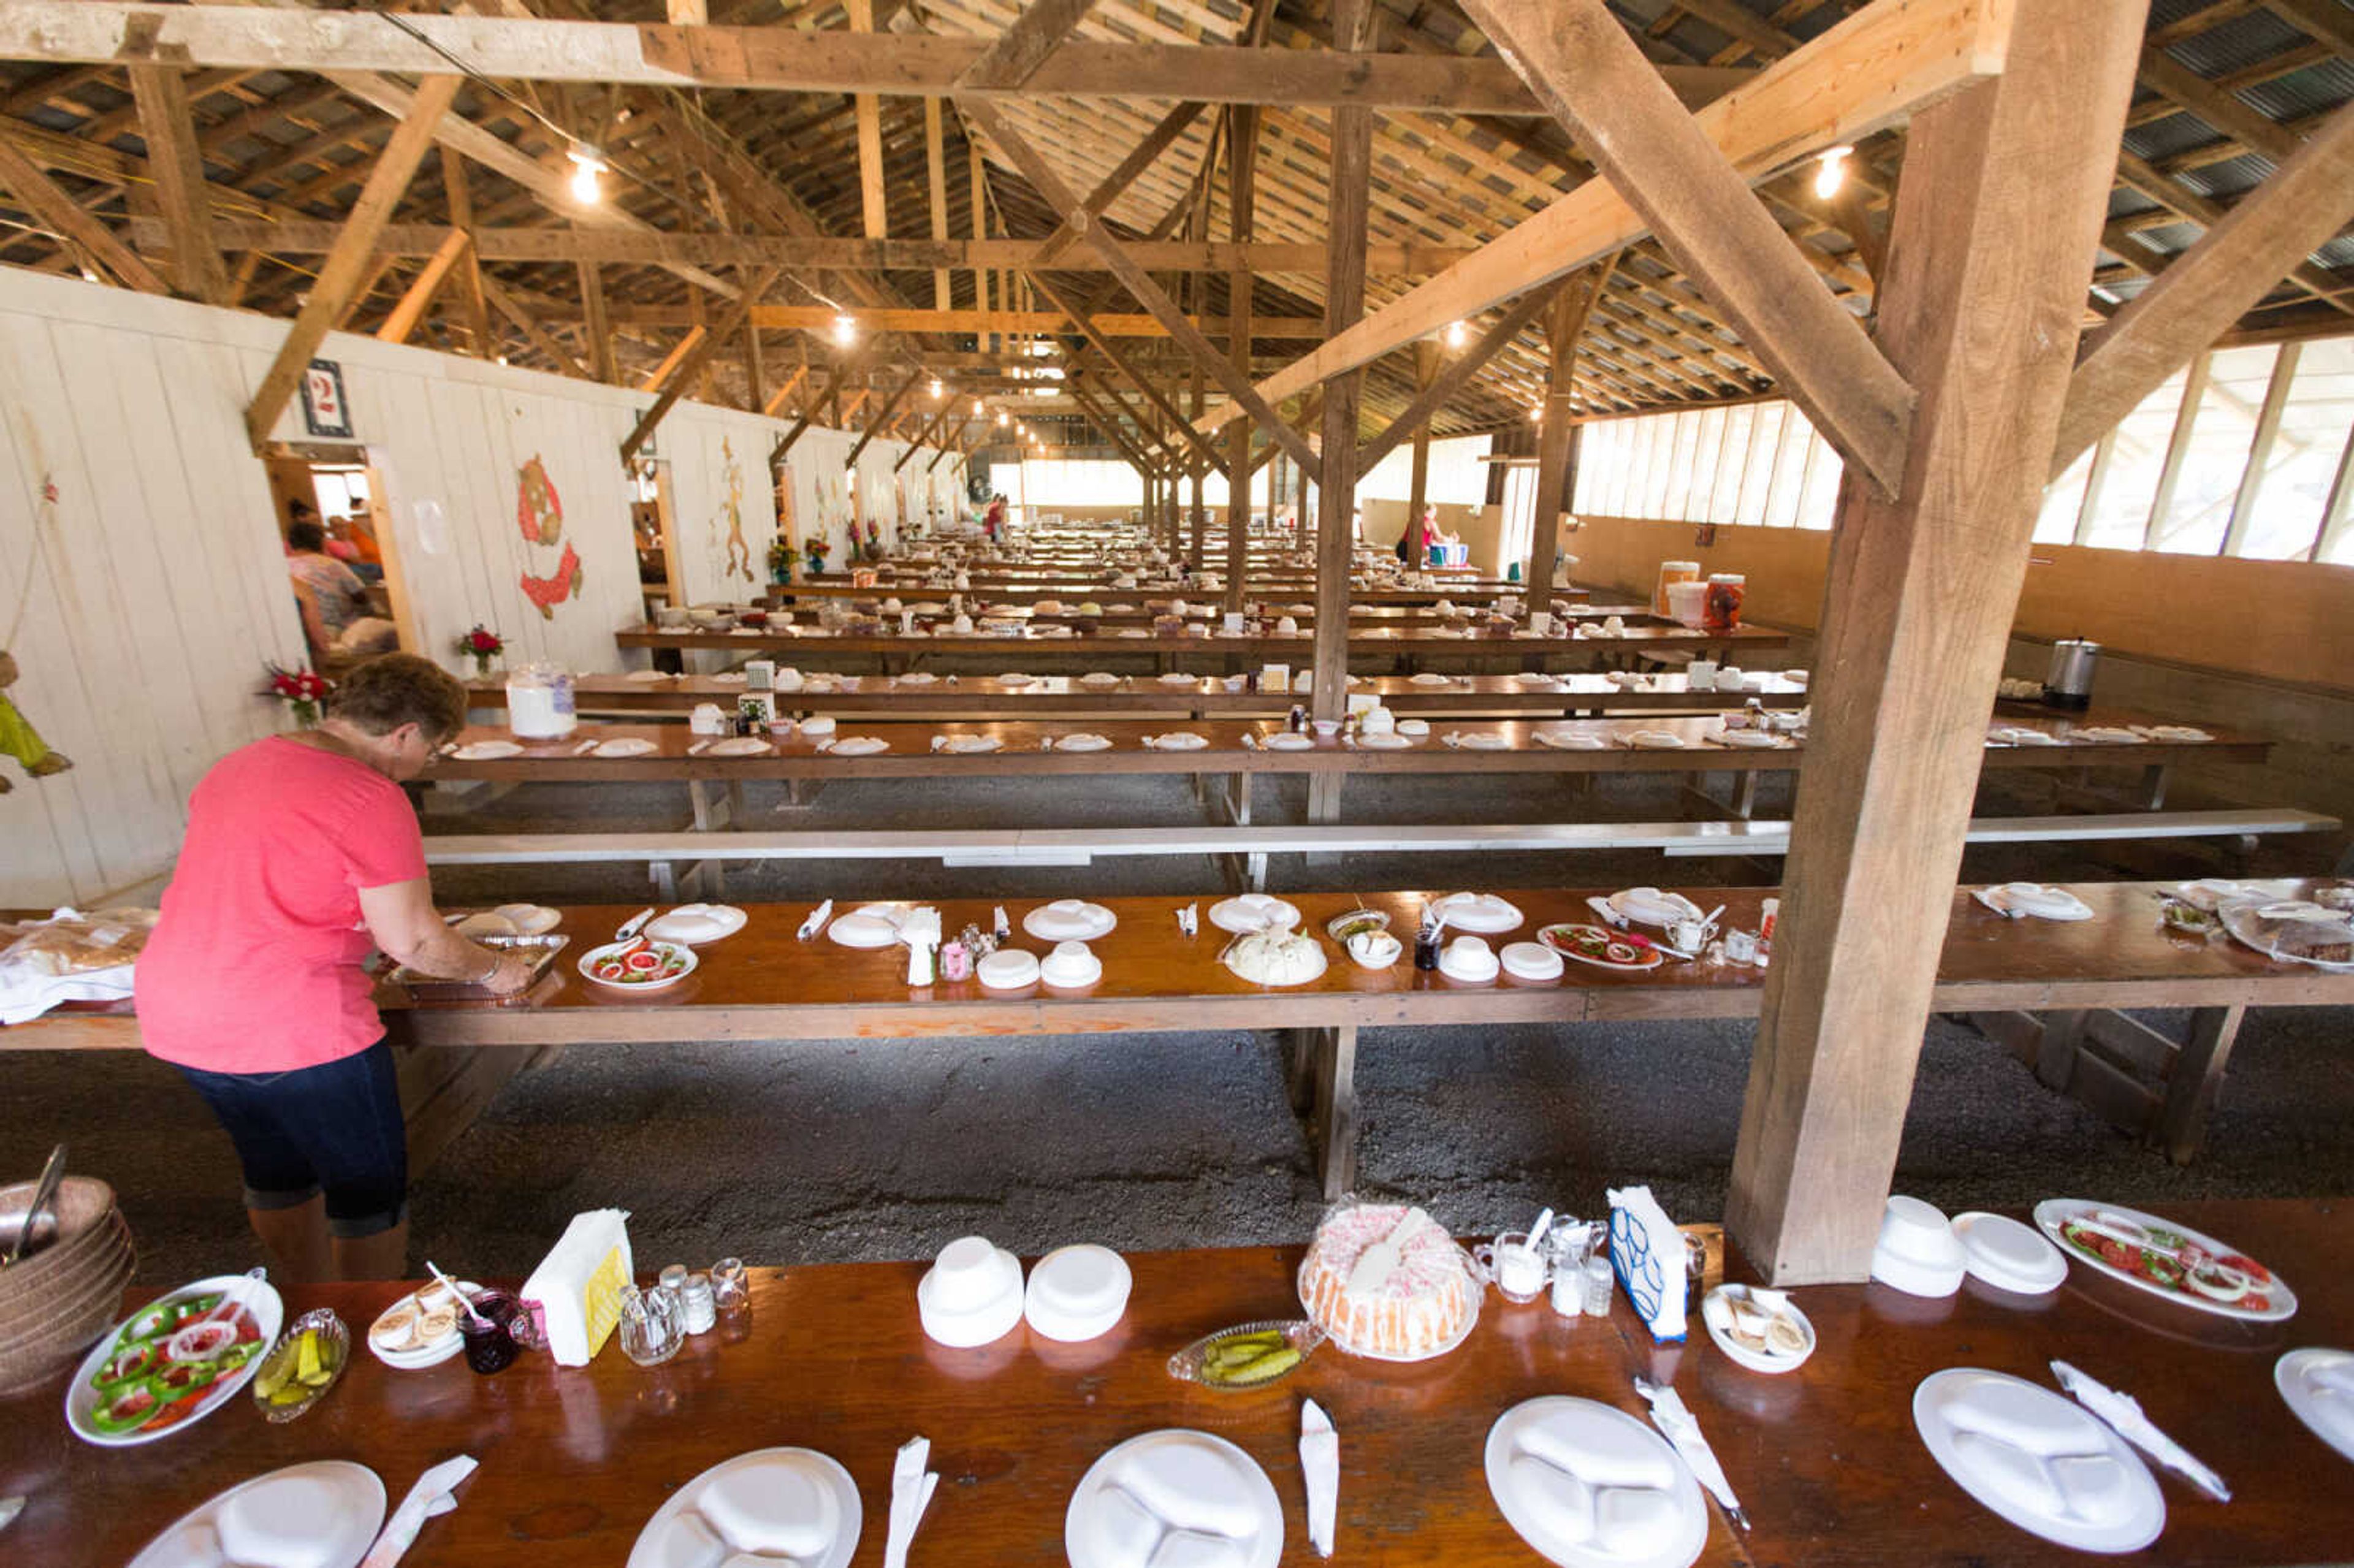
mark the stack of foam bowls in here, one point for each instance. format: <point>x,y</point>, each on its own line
<point>971,1296</point>
<point>60,1299</point>
<point>2008,1255</point>
<point>1918,1251</point>
<point>1077,1293</point>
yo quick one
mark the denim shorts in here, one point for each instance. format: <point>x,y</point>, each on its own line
<point>335,1128</point>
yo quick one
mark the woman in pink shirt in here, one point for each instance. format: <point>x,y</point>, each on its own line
<point>303,855</point>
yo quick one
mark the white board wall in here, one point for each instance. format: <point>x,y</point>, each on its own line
<point>153,586</point>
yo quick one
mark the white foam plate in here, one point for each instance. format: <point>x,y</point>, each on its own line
<point>1482,913</point>
<point>1179,740</point>
<point>1480,740</point>
<point>1430,678</point>
<point>1288,740</point>
<point>858,746</point>
<point>917,678</point>
<point>1551,1459</point>
<point>728,678</point>
<point>1176,679</point>
<point>2007,1255</point>
<point>1570,740</point>
<point>1530,961</point>
<point>2319,1386</point>
<point>487,751</point>
<point>1388,742</point>
<point>1455,969</point>
<point>1250,912</point>
<point>434,1352</point>
<point>1082,742</point>
<point>530,919</point>
<point>773,1505</point>
<point>1070,920</point>
<point>261,1301</point>
<point>2018,1449</point>
<point>968,745</point>
<point>1130,1506</point>
<point>1649,906</point>
<point>648,675</point>
<point>626,745</point>
<point>869,925</point>
<point>322,1514</point>
<point>1654,740</point>
<point>694,923</point>
<point>1016,680</point>
<point>1099,678</point>
<point>1008,969</point>
<point>1749,739</point>
<point>740,746</point>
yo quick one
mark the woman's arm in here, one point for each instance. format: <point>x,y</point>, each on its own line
<point>402,918</point>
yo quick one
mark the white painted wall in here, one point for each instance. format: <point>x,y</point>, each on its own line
<point>154,586</point>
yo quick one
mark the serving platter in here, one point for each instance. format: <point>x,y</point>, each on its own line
<point>2268,1300</point>
<point>256,1326</point>
<point>672,963</point>
<point>1597,945</point>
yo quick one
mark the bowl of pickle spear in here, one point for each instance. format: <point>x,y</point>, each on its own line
<point>303,1365</point>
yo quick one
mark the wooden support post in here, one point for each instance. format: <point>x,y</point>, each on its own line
<point>935,191</point>
<point>340,274</point>
<point>1556,435</point>
<point>41,197</point>
<point>459,195</point>
<point>1242,188</point>
<point>1418,490</point>
<point>410,308</point>
<point>179,172</point>
<point>1344,301</point>
<point>756,370</point>
<point>1997,217</point>
<point>875,425</point>
<point>593,323</point>
<point>1456,376</point>
<point>874,211</point>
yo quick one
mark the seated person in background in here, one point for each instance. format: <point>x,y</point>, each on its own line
<point>334,602</point>
<point>352,540</point>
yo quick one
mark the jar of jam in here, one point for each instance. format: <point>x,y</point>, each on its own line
<point>1721,608</point>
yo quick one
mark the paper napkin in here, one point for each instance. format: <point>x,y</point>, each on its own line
<point>1320,1464</point>
<point>428,1498</point>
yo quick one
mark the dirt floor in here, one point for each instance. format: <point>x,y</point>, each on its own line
<point>783,1153</point>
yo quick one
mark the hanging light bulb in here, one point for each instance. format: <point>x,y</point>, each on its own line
<point>1536,415</point>
<point>937,391</point>
<point>846,330</point>
<point>978,409</point>
<point>1832,171</point>
<point>1457,334</point>
<point>1003,418</point>
<point>587,165</point>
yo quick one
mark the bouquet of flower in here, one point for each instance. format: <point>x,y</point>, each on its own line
<point>301,690</point>
<point>482,645</point>
<point>817,550</point>
<point>782,559</point>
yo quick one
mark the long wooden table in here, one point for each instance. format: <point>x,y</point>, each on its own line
<point>1826,1460</point>
<point>1565,696</point>
<point>763,984</point>
<point>1406,647</point>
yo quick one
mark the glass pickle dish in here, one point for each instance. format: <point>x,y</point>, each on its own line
<point>1248,1356</point>
<point>307,1360</point>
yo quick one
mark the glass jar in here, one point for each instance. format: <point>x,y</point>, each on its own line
<point>651,1328</point>
<point>1721,610</point>
<point>539,703</point>
<point>490,1346</point>
<point>1671,572</point>
<point>700,1309</point>
<point>731,1291</point>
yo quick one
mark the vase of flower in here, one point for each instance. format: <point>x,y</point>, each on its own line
<point>302,693</point>
<point>782,559</point>
<point>482,645</point>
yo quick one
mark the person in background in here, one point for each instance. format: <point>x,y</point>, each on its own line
<point>994,519</point>
<point>1429,533</point>
<point>336,622</point>
<point>352,540</point>
<point>301,853</point>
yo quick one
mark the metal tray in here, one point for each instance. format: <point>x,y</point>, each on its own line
<point>541,950</point>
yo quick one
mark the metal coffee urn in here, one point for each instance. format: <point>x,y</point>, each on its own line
<point>2069,683</point>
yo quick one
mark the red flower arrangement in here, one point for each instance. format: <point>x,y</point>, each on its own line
<point>301,690</point>
<point>482,645</point>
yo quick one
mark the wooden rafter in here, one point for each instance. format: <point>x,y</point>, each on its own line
<point>1457,376</point>
<point>179,171</point>
<point>546,341</point>
<point>40,195</point>
<point>875,425</point>
<point>410,308</point>
<point>340,275</point>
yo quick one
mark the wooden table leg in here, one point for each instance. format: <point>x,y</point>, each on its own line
<point>699,797</point>
<point>1745,793</point>
<point>2153,783</point>
<point>1324,796</point>
<point>737,817</point>
<point>2197,1079</point>
<point>2055,1054</point>
<point>1336,1109</point>
<point>1299,1049</point>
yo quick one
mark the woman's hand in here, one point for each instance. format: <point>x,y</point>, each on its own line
<point>511,974</point>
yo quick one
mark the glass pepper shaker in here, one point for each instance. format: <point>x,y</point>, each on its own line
<point>700,1309</point>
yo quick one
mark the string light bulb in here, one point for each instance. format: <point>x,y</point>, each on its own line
<point>1831,173</point>
<point>1457,334</point>
<point>846,330</point>
<point>587,165</point>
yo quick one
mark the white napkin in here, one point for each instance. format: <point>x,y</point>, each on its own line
<point>1675,1420</point>
<point>911,1494</point>
<point>2123,1412</point>
<point>1320,1465</point>
<point>428,1498</point>
<point>816,922</point>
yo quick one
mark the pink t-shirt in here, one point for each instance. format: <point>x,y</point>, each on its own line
<point>254,967</point>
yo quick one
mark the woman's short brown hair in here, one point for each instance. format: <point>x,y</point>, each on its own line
<point>384,693</point>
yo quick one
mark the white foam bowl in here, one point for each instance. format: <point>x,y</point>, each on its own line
<point>2007,1255</point>
<point>971,1295</point>
<point>1070,965</point>
<point>1918,1251</point>
<point>1530,961</point>
<point>1008,969</point>
<point>1469,960</point>
<point>1077,1293</point>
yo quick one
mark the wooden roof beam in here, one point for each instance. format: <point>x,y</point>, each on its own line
<point>1863,75</point>
<point>340,274</point>
<point>41,197</point>
<point>546,341</point>
<point>875,425</point>
<point>180,192</point>
<point>410,308</point>
<point>696,359</point>
<point>1580,61</point>
<point>1454,377</point>
<point>754,59</point>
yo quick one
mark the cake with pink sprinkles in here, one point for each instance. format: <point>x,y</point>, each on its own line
<point>1386,1280</point>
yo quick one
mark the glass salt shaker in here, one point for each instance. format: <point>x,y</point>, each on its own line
<point>731,1291</point>
<point>1599,1281</point>
<point>700,1309</point>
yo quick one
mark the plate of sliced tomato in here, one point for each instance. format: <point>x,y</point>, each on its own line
<point>1601,947</point>
<point>2166,1259</point>
<point>641,963</point>
<point>157,1371</point>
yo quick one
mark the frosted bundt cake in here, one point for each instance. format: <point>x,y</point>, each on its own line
<point>1385,1280</point>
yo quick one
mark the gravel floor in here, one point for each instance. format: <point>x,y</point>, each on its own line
<point>799,1152</point>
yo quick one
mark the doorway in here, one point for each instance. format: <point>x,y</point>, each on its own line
<point>348,493</point>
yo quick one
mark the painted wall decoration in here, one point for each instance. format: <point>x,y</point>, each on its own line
<point>18,738</point>
<point>539,514</point>
<point>739,552</point>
